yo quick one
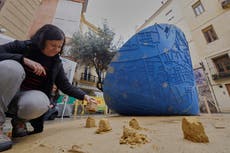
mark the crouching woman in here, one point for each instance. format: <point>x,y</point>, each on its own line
<point>28,70</point>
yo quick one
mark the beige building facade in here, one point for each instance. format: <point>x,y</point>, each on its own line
<point>209,25</point>
<point>86,76</point>
<point>206,27</point>
<point>17,16</point>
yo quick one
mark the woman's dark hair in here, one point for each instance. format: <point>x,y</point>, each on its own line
<point>47,32</point>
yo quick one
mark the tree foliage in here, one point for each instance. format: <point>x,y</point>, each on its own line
<point>94,49</point>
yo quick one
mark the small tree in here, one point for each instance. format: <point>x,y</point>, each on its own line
<point>94,49</point>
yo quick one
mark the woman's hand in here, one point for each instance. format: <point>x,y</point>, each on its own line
<point>37,68</point>
<point>88,98</point>
<point>91,103</point>
<point>51,106</point>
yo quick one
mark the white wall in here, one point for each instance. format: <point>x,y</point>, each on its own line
<point>222,97</point>
<point>68,16</point>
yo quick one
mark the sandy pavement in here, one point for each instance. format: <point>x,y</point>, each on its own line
<point>164,133</point>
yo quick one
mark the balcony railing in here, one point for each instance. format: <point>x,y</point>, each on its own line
<point>88,77</point>
<point>221,75</point>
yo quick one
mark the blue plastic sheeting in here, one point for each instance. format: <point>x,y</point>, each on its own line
<point>152,74</point>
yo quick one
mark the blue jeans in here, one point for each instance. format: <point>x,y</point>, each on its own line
<point>23,104</point>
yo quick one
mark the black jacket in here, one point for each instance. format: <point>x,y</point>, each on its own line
<point>16,50</point>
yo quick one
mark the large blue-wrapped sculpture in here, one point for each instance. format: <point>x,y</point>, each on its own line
<point>152,74</point>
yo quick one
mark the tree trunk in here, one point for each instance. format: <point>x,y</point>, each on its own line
<point>99,82</point>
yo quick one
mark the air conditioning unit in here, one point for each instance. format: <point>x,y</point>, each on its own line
<point>225,4</point>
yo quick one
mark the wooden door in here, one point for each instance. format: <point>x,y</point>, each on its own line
<point>228,88</point>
